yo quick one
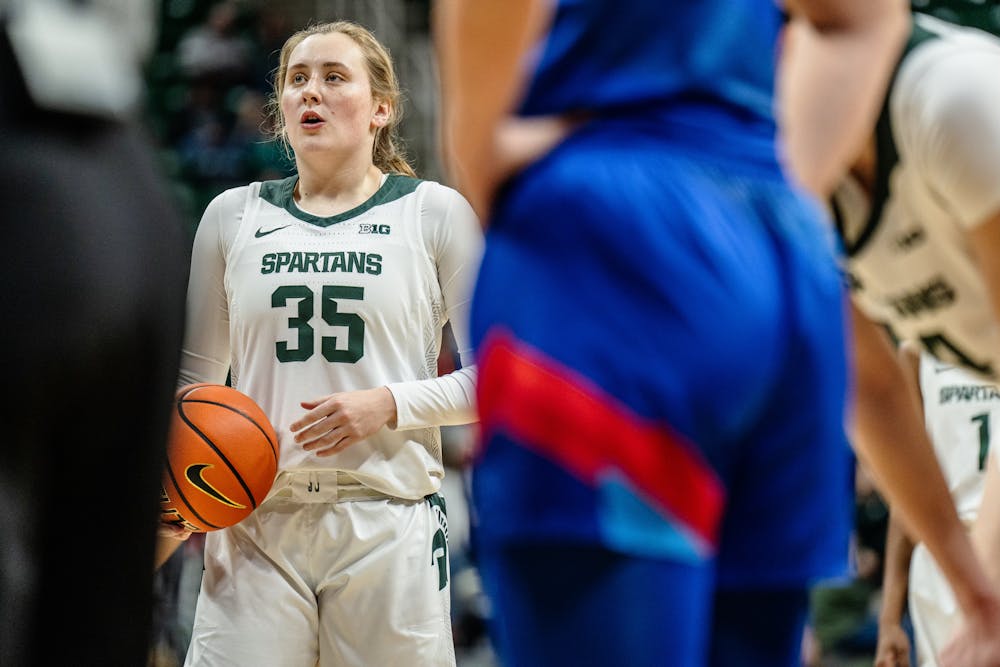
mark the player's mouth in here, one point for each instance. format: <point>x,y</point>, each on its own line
<point>311,120</point>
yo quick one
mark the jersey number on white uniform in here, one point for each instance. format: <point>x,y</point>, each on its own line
<point>984,437</point>
<point>306,344</point>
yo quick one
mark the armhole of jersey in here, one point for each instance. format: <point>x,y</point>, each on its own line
<point>236,239</point>
<point>923,372</point>
<point>886,152</point>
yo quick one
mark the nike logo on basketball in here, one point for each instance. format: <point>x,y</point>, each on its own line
<point>193,474</point>
<point>260,231</point>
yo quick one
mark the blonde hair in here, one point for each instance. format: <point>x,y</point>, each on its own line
<point>387,153</point>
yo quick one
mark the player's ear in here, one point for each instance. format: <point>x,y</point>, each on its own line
<point>382,113</point>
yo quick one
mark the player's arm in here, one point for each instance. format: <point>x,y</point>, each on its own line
<point>481,47</point>
<point>168,539</point>
<point>456,240</point>
<point>984,239</point>
<point>892,441</point>
<point>836,62</point>
<point>986,529</point>
<point>206,351</point>
<point>893,649</point>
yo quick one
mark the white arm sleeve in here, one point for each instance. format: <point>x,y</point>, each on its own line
<point>205,354</point>
<point>457,244</point>
<point>949,110</point>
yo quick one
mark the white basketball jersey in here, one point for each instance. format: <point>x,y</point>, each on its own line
<point>961,413</point>
<point>938,152</point>
<point>299,307</point>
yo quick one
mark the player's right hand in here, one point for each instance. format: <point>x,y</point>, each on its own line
<point>172,530</point>
<point>977,642</point>
<point>893,649</point>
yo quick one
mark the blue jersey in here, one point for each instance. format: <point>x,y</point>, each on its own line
<point>612,58</point>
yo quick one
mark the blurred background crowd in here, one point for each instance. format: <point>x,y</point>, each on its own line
<point>208,87</point>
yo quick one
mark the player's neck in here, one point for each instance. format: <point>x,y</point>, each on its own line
<point>335,191</point>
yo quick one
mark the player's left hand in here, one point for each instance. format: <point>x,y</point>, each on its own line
<point>333,423</point>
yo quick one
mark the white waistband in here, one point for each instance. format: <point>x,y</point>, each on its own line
<point>321,486</point>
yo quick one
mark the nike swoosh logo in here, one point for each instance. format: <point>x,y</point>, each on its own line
<point>193,474</point>
<point>260,231</point>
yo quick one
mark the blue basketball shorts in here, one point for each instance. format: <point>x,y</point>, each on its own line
<point>660,335</point>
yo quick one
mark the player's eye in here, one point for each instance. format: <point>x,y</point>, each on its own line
<point>298,78</point>
<point>333,76</point>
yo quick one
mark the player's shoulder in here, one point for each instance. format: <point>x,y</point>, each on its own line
<point>439,198</point>
<point>445,215</point>
<point>944,59</point>
<point>233,198</point>
<point>946,86</point>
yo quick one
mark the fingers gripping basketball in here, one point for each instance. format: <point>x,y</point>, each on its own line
<point>222,456</point>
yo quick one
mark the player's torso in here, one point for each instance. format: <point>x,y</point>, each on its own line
<point>961,413</point>
<point>321,305</point>
<point>909,261</point>
<point>915,273</point>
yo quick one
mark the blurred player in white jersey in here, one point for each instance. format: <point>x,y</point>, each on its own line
<point>961,413</point>
<point>919,216</point>
<point>325,295</point>
<point>920,212</point>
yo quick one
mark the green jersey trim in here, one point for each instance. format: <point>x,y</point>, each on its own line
<point>886,154</point>
<point>281,194</point>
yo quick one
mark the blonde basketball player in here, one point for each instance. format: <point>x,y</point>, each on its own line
<point>325,295</point>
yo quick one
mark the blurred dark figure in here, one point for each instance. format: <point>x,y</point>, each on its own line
<point>94,280</point>
<point>216,50</point>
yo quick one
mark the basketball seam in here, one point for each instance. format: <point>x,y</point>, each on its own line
<point>250,418</point>
<point>208,441</point>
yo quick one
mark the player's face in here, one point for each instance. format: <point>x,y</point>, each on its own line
<point>327,101</point>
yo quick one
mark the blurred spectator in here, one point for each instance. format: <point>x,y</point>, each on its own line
<point>215,50</point>
<point>230,146</point>
<point>271,29</point>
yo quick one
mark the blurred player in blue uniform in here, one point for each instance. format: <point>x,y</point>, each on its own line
<point>659,318</point>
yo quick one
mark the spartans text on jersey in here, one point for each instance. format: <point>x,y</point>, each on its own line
<point>321,262</point>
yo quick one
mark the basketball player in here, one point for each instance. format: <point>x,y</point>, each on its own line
<point>920,210</point>
<point>919,213</point>
<point>93,276</point>
<point>325,295</point>
<point>961,413</point>
<point>658,320</point>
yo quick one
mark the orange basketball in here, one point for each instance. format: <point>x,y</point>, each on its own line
<point>222,456</point>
